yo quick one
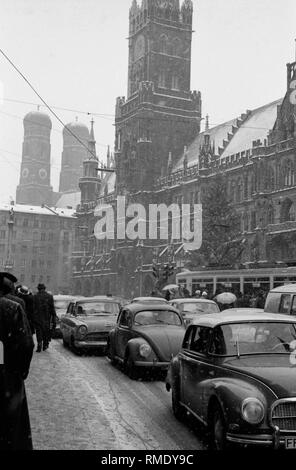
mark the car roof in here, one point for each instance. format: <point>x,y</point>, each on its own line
<point>95,298</point>
<point>193,300</point>
<point>63,297</point>
<point>238,315</point>
<point>144,299</point>
<point>138,307</point>
<point>285,289</point>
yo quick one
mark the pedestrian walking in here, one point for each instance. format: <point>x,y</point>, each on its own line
<point>44,317</point>
<point>17,346</point>
<point>24,293</point>
<point>9,281</point>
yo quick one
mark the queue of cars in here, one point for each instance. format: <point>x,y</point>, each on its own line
<point>235,371</point>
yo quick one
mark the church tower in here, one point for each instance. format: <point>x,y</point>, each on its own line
<point>161,114</point>
<point>34,187</point>
<point>74,153</point>
<point>90,181</point>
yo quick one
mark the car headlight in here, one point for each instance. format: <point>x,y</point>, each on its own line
<point>253,410</point>
<point>82,330</point>
<point>145,350</point>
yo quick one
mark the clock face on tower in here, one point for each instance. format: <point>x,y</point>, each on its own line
<point>42,173</point>
<point>25,173</point>
<point>139,49</point>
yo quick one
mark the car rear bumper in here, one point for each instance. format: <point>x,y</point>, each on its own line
<point>90,344</point>
<point>158,365</point>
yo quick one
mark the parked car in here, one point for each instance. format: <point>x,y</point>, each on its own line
<point>282,300</point>
<point>149,300</point>
<point>61,304</point>
<point>146,337</point>
<point>235,373</point>
<point>193,308</point>
<point>87,323</point>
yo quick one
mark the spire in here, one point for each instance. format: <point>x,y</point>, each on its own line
<point>108,157</point>
<point>207,123</point>
<point>92,142</point>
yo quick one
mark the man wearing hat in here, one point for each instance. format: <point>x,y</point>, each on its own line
<point>44,317</point>
<point>9,281</point>
<point>17,346</point>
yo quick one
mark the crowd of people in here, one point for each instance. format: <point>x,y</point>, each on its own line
<point>251,299</point>
<point>22,314</point>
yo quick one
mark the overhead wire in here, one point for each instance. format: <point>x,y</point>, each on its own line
<point>51,110</point>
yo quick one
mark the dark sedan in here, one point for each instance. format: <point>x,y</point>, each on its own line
<point>236,373</point>
<point>146,337</point>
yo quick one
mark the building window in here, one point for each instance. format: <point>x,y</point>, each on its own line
<point>163,44</point>
<point>26,222</point>
<point>34,263</point>
<point>175,82</point>
<point>176,47</point>
<point>253,221</point>
<point>23,263</point>
<point>36,223</point>
<point>43,237</point>
<point>2,247</point>
<point>33,278</point>
<point>50,236</point>
<point>161,79</point>
<point>2,234</point>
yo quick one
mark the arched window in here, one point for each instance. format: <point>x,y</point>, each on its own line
<point>289,176</point>
<point>285,210</point>
<point>162,79</point>
<point>175,82</point>
<point>270,215</point>
<point>239,191</point>
<point>176,47</point>
<point>246,222</point>
<point>292,212</point>
<point>163,44</point>
<point>269,180</point>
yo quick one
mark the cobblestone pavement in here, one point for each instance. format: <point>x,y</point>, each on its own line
<point>85,403</point>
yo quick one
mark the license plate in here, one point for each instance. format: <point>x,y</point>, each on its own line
<point>290,442</point>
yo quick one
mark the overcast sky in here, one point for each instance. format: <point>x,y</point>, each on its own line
<point>75,53</point>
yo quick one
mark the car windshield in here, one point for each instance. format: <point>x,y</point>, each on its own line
<point>97,308</point>
<point>157,317</point>
<point>254,338</point>
<point>199,307</point>
<point>61,304</point>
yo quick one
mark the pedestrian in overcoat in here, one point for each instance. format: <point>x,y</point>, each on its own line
<point>44,317</point>
<point>16,349</point>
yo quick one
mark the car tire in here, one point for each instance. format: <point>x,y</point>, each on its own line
<point>130,368</point>
<point>178,409</point>
<point>217,429</point>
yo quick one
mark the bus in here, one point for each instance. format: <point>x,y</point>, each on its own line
<point>246,281</point>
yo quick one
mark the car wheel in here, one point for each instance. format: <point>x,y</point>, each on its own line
<point>130,368</point>
<point>217,429</point>
<point>178,409</point>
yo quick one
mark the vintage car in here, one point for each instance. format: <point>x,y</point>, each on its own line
<point>146,337</point>
<point>149,300</point>
<point>282,300</point>
<point>88,321</point>
<point>61,304</point>
<point>193,308</point>
<point>236,373</point>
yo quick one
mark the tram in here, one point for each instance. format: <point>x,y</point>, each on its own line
<point>245,281</point>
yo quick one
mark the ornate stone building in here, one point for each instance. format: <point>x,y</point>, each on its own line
<point>162,157</point>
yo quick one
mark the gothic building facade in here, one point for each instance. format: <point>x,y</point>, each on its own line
<point>161,156</point>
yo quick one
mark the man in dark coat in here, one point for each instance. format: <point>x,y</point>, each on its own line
<point>44,317</point>
<point>24,294</point>
<point>16,349</point>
